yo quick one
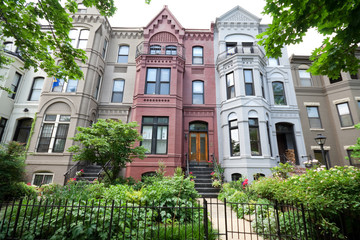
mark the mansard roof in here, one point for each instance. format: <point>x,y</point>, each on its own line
<point>238,14</point>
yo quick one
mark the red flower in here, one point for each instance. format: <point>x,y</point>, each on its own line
<point>81,170</point>
<point>192,180</point>
<point>212,173</point>
<point>190,172</point>
<point>29,184</point>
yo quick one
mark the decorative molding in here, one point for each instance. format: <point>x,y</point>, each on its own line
<point>163,37</point>
<point>203,36</point>
<point>156,100</point>
<point>311,104</point>
<point>127,34</point>
<point>199,113</point>
<point>343,100</point>
<point>238,17</point>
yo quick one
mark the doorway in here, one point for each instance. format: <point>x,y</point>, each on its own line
<point>198,144</point>
<point>286,143</point>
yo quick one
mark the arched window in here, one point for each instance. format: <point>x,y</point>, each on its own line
<point>8,46</point>
<point>279,93</point>
<point>197,55</point>
<point>147,174</point>
<point>198,92</point>
<point>235,176</point>
<point>254,137</point>
<point>234,135</point>
<point>123,54</point>
<point>118,91</point>
<point>155,49</point>
<point>170,50</point>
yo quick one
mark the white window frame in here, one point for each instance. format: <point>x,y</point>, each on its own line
<point>54,132</point>
<point>76,40</point>
<point>305,78</point>
<point>64,88</point>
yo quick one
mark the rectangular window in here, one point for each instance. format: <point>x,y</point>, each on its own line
<point>353,161</point>
<point>269,139</point>
<point>53,133</point>
<point>274,62</point>
<point>123,54</point>
<point>198,55</point>
<point>262,85</point>
<point>71,85</point>
<point>344,115</point>
<point>83,38</point>
<point>42,178</point>
<point>3,122</point>
<point>335,80</point>
<point>249,82</point>
<point>314,117</point>
<point>105,48</point>
<point>155,134</point>
<point>230,85</point>
<point>279,93</point>
<point>118,91</point>
<point>231,48</point>
<point>234,137</point>
<point>254,137</point>
<point>158,81</point>
<point>198,92</point>
<point>36,89</point>
<point>97,88</point>
<point>58,85</point>
<point>305,78</point>
<point>15,84</point>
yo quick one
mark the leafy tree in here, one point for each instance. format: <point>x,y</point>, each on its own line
<point>356,147</point>
<point>337,20</point>
<point>12,169</point>
<point>20,19</point>
<point>108,140</point>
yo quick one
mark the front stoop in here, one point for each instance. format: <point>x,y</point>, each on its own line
<point>203,182</point>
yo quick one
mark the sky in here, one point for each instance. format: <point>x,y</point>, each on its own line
<point>198,14</point>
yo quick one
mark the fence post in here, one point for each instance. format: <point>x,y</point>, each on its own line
<point>206,230</point>
<point>277,220</point>
<point>111,218</point>
<point>17,218</point>
<point>225,215</point>
<point>304,220</point>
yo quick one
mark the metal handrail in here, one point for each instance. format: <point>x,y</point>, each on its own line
<point>144,48</point>
<point>107,165</point>
<point>241,50</point>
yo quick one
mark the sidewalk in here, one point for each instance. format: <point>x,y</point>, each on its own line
<point>237,229</point>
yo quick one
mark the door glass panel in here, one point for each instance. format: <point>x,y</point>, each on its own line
<point>202,146</point>
<point>192,146</point>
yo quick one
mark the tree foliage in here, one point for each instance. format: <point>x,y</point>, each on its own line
<point>20,19</point>
<point>337,20</point>
<point>108,140</point>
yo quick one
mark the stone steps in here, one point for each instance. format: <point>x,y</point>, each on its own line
<point>203,182</point>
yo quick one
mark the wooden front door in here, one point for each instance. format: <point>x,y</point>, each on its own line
<point>198,146</point>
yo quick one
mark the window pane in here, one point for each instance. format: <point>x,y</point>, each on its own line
<point>249,89</point>
<point>57,85</point>
<point>36,89</point>
<point>343,108</point>
<point>118,85</point>
<point>230,79</point>
<point>73,33</point>
<point>72,85</point>
<point>147,137</point>
<point>197,60</point>
<point>38,179</point>
<point>315,123</point>
<point>122,59</point>
<point>50,117</point>
<point>123,50</point>
<point>163,120</point>
<point>346,120</point>
<point>151,75</point>
<point>117,97</point>
<point>148,119</point>
<point>84,34</point>
<point>60,137</point>
<point>48,179</point>
<point>248,76</point>
<point>312,112</point>
<point>273,61</point>
<point>234,141</point>
<point>198,99</point>
<point>38,83</point>
<point>165,75</point>
<point>35,95</point>
<point>197,51</point>
<point>198,87</point>
<point>45,137</point>
<point>304,74</point>
<point>82,44</point>
<point>305,82</point>
<point>164,88</point>
<point>150,88</point>
<point>161,139</point>
<point>64,118</point>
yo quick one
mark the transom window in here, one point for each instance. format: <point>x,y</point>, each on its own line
<point>79,37</point>
<point>118,91</point>
<point>123,54</point>
<point>198,92</point>
<point>53,133</point>
<point>14,85</point>
<point>254,137</point>
<point>155,134</point>
<point>344,115</point>
<point>249,82</point>
<point>197,55</point>
<point>36,89</point>
<point>230,85</point>
<point>170,50</point>
<point>279,93</point>
<point>155,49</point>
<point>234,135</point>
<point>314,117</point>
<point>305,78</point>
<point>158,81</point>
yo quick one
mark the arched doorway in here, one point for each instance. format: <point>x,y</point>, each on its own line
<point>286,143</point>
<point>198,144</point>
<point>23,130</point>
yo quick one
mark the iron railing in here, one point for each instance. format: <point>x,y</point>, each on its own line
<point>250,51</point>
<point>117,219</point>
<point>146,48</point>
<point>71,172</point>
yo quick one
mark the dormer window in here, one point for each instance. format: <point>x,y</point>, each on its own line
<point>155,49</point>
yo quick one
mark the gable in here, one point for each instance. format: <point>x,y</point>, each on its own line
<point>238,14</point>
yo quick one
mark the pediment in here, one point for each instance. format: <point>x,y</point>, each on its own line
<point>164,22</point>
<point>238,14</point>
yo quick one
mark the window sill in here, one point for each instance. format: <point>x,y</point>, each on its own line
<point>345,128</point>
<point>317,129</point>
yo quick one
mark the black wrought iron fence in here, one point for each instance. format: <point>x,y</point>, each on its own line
<point>205,219</point>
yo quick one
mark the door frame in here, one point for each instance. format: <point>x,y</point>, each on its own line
<point>198,145</point>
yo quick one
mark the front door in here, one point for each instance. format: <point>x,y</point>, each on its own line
<point>198,146</point>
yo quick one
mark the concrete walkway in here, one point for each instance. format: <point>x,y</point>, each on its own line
<point>237,229</point>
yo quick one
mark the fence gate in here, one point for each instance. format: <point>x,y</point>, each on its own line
<point>250,221</point>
